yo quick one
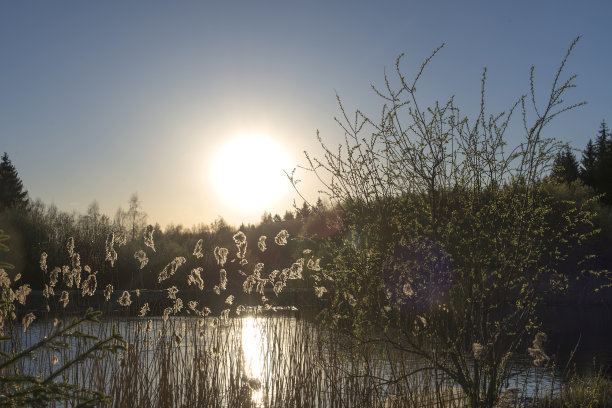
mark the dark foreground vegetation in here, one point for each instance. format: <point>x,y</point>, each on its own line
<point>428,265</point>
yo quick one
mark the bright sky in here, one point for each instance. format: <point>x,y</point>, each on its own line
<point>102,99</point>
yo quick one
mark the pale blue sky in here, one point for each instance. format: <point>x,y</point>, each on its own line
<point>102,99</point>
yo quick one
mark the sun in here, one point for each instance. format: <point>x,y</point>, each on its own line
<point>247,171</point>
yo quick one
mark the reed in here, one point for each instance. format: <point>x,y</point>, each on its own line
<point>248,361</point>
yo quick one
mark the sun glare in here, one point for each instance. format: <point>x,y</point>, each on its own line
<point>247,171</point>
<point>253,345</point>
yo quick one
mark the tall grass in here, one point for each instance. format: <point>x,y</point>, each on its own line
<point>248,361</point>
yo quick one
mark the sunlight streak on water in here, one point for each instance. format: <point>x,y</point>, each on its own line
<point>253,349</point>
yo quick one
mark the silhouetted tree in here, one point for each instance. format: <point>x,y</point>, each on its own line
<point>565,167</point>
<point>604,162</point>
<point>136,216</point>
<point>603,141</point>
<point>266,218</point>
<point>588,163</point>
<point>596,163</point>
<point>319,205</point>
<point>12,194</point>
<point>304,212</point>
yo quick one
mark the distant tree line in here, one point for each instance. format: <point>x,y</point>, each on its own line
<point>595,168</point>
<point>35,228</point>
<point>592,175</point>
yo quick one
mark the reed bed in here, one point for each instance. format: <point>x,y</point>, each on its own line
<point>254,360</point>
<point>257,359</point>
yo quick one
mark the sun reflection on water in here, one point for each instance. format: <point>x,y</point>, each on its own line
<point>253,348</point>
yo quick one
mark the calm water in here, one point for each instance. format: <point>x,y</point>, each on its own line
<point>260,349</point>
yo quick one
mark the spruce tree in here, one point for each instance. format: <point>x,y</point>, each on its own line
<point>603,141</point>
<point>12,194</point>
<point>604,162</point>
<point>588,164</point>
<point>596,163</point>
<point>565,167</point>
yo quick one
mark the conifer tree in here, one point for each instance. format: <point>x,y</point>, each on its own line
<point>604,162</point>
<point>304,212</point>
<point>588,163</point>
<point>603,141</point>
<point>565,167</point>
<point>596,163</point>
<point>12,194</point>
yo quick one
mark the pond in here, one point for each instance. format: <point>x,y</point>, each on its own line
<point>257,360</point>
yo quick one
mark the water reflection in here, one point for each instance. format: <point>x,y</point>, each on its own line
<point>269,352</point>
<point>253,351</point>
